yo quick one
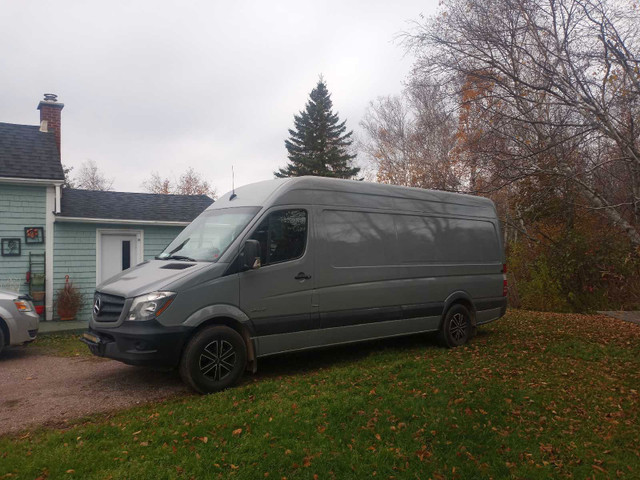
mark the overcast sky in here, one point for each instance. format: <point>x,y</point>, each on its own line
<point>161,86</point>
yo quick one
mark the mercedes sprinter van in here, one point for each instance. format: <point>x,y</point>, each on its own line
<point>302,263</point>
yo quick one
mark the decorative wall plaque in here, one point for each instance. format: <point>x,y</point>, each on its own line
<point>11,247</point>
<point>33,235</point>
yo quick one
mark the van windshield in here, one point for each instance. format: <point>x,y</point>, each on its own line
<point>208,236</point>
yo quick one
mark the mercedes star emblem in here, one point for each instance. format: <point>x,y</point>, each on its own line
<point>97,305</point>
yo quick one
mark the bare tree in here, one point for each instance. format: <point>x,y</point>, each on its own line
<point>559,101</point>
<point>189,183</point>
<point>409,137</point>
<point>68,180</point>
<point>91,178</point>
<point>157,184</point>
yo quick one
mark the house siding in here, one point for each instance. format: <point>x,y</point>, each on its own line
<point>75,254</point>
<point>20,206</point>
<point>157,238</point>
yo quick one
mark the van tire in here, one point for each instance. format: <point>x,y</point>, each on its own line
<point>456,328</point>
<point>214,359</point>
<point>2,340</point>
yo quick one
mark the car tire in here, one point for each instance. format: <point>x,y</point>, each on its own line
<point>214,359</point>
<point>456,327</point>
<point>2,339</point>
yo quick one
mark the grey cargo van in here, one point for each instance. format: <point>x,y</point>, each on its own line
<point>301,263</point>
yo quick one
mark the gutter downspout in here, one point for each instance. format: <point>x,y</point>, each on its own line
<point>58,207</point>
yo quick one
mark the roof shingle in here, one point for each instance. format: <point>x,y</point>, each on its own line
<point>26,152</point>
<point>132,206</point>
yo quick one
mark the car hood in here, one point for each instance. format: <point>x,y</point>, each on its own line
<point>8,294</point>
<point>148,277</point>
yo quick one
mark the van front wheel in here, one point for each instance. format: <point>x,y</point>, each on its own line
<point>214,359</point>
<point>456,327</point>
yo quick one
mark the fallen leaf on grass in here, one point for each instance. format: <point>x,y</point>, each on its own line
<point>423,453</point>
<point>546,448</point>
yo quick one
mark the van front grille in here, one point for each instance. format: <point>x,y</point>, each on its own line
<point>107,308</point>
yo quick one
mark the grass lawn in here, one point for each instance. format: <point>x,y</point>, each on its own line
<point>534,395</point>
<point>61,345</point>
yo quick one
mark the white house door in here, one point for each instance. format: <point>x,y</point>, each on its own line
<point>117,251</point>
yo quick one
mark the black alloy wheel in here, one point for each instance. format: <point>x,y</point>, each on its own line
<point>214,359</point>
<point>456,328</point>
<point>217,360</point>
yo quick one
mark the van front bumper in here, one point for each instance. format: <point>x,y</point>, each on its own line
<point>139,343</point>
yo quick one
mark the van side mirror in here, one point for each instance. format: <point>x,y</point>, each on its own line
<point>250,256</point>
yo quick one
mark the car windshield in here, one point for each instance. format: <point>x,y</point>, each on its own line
<point>208,236</point>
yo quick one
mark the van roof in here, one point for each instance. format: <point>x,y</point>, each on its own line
<point>341,192</point>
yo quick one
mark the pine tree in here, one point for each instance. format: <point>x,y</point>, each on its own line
<point>318,145</point>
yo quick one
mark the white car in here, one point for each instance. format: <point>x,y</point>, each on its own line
<point>18,319</point>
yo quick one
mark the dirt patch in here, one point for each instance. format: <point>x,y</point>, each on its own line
<point>37,389</point>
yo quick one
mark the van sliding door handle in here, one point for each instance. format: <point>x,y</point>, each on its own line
<point>302,276</point>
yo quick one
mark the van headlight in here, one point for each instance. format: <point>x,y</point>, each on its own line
<point>150,306</point>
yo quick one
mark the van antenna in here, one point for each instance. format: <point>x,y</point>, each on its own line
<point>233,185</point>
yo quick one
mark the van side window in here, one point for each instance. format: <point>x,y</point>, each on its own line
<point>446,240</point>
<point>359,239</point>
<point>282,236</point>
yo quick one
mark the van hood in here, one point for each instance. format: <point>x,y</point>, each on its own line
<point>148,277</point>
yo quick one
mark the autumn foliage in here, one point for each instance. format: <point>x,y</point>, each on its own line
<point>537,107</point>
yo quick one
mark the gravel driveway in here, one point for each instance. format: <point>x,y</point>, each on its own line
<point>38,389</point>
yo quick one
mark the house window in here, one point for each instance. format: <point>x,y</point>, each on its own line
<point>126,254</point>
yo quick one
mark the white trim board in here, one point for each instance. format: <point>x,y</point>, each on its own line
<point>30,181</point>
<point>48,251</point>
<point>121,222</point>
<point>117,231</point>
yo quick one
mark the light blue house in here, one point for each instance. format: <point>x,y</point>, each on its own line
<point>48,232</point>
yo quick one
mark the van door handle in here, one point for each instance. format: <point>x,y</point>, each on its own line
<point>302,276</point>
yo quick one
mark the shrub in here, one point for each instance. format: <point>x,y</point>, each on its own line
<point>68,300</point>
<point>589,267</point>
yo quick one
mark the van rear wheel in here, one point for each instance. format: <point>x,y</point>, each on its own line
<point>456,328</point>
<point>214,359</point>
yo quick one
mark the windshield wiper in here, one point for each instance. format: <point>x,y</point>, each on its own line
<point>177,257</point>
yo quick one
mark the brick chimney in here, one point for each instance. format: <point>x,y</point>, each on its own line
<point>50,113</point>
